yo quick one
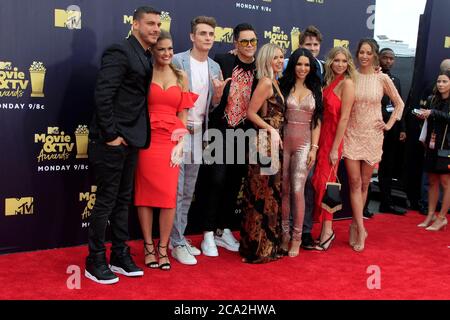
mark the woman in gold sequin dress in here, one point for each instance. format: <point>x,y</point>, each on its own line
<point>363,141</point>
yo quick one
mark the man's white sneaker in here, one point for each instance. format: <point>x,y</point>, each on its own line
<point>227,241</point>
<point>181,253</point>
<point>208,245</point>
<point>190,247</point>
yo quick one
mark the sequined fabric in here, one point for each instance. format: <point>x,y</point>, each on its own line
<point>296,146</point>
<point>363,141</point>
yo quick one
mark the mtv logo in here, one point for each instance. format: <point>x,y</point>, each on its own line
<point>223,34</point>
<point>447,42</point>
<point>70,18</point>
<point>16,206</point>
<point>341,43</point>
<point>5,65</point>
<point>53,130</point>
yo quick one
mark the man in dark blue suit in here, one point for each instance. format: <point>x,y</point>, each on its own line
<point>120,127</point>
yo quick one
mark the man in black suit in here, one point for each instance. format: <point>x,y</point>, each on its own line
<point>391,140</point>
<point>119,127</point>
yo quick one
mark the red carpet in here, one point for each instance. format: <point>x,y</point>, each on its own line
<point>414,264</point>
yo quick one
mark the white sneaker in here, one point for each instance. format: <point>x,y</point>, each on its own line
<point>181,253</point>
<point>191,248</point>
<point>208,245</point>
<point>227,241</point>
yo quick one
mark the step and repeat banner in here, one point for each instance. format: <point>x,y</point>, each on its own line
<point>49,57</point>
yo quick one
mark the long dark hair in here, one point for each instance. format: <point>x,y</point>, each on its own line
<point>437,96</point>
<point>312,81</point>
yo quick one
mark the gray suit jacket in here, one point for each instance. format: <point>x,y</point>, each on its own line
<point>182,61</point>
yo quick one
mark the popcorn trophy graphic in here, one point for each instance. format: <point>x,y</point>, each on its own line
<point>165,21</point>
<point>81,136</point>
<point>295,38</point>
<point>37,75</point>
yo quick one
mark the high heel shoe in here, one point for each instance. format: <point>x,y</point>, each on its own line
<point>440,223</point>
<point>284,247</point>
<point>324,246</point>
<point>294,250</point>
<point>358,247</point>
<point>163,266</point>
<point>151,264</point>
<point>427,222</point>
<point>352,234</point>
<point>295,243</point>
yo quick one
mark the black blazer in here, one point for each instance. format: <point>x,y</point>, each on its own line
<point>438,120</point>
<point>121,95</point>
<point>227,62</point>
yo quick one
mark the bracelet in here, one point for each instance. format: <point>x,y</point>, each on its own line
<point>314,146</point>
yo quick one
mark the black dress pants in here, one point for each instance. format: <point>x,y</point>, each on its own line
<point>387,166</point>
<point>114,168</point>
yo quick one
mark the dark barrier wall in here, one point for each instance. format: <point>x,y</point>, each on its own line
<point>49,57</point>
<point>433,45</point>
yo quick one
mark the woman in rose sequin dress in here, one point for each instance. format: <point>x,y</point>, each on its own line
<point>301,88</point>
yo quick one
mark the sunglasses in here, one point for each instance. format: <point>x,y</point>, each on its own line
<point>246,42</point>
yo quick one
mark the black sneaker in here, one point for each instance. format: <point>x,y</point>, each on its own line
<point>308,242</point>
<point>98,271</point>
<point>367,213</point>
<point>123,263</point>
<point>392,209</point>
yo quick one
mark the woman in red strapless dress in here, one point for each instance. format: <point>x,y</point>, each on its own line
<point>338,97</point>
<point>157,168</point>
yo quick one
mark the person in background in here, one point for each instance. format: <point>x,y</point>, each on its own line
<point>391,141</point>
<point>438,117</point>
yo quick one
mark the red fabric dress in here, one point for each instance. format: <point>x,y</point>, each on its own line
<point>331,115</point>
<point>155,181</point>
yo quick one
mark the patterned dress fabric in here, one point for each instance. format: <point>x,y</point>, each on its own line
<point>261,221</point>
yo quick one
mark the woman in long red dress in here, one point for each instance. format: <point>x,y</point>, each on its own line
<point>338,98</point>
<point>158,166</point>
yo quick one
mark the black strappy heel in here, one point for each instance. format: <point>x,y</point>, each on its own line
<point>163,266</point>
<point>324,246</point>
<point>153,264</point>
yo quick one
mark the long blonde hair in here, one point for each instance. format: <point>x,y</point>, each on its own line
<point>350,73</point>
<point>264,61</point>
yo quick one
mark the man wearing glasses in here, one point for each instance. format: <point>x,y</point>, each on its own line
<point>221,182</point>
